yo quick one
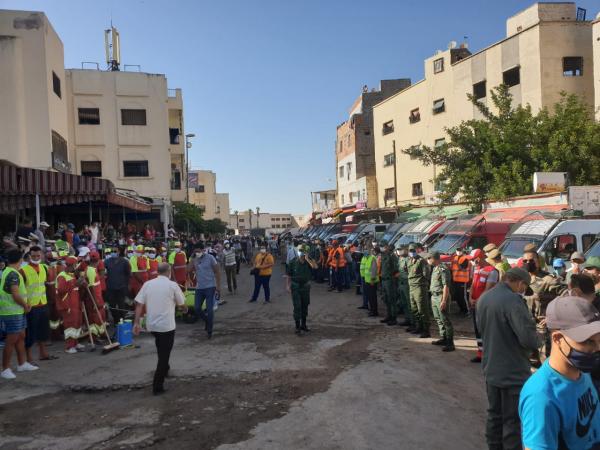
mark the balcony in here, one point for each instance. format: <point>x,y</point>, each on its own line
<point>174,99</point>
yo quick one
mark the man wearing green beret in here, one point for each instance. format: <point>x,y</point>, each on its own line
<point>440,301</point>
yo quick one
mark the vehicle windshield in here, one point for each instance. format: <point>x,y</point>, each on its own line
<point>448,244</point>
<point>391,232</point>
<point>407,239</point>
<point>594,250</point>
<point>352,236</point>
<point>513,246</point>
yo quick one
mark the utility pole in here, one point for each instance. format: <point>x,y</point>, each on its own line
<point>257,217</point>
<point>188,145</point>
<point>250,217</point>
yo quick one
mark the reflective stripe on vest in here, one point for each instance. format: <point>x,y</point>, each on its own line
<point>35,283</point>
<point>459,275</point>
<point>8,306</point>
<point>480,277</point>
<point>368,264</point>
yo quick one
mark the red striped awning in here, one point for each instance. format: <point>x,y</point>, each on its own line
<point>19,186</point>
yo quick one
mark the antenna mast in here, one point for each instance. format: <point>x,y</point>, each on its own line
<point>112,46</point>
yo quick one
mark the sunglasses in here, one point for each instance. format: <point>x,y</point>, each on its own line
<point>528,260</point>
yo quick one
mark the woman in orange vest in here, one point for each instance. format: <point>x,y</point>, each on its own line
<point>461,274</point>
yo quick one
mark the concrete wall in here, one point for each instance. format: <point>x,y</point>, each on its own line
<point>537,50</point>
<point>30,50</point>
<point>111,142</point>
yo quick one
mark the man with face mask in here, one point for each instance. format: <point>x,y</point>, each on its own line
<point>403,290</point>
<point>577,261</point>
<point>509,336</point>
<point>461,276</point>
<point>558,403</point>
<point>418,283</point>
<point>229,261</point>
<point>299,272</point>
<point>389,283</point>
<point>178,261</point>
<point>591,268</point>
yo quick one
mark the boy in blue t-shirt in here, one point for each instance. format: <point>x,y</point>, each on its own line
<point>558,404</point>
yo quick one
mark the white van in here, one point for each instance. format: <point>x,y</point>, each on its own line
<point>554,238</point>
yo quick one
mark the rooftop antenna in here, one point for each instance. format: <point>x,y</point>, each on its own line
<point>112,46</point>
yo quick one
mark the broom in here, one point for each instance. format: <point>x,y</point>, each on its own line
<point>111,345</point>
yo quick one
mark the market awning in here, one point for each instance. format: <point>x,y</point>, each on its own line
<point>19,187</point>
<point>449,212</point>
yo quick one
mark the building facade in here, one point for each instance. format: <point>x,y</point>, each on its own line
<point>203,193</point>
<point>245,221</point>
<point>322,201</point>
<point>596,52</point>
<point>547,49</point>
<point>121,126</point>
<point>355,148</point>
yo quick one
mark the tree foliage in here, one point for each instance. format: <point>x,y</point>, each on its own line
<point>189,217</point>
<point>495,157</point>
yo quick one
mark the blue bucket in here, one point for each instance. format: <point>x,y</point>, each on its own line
<point>125,333</point>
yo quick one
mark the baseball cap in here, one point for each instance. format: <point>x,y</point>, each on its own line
<point>412,247</point>
<point>44,224</point>
<point>84,251</point>
<point>522,274</point>
<point>489,247</point>
<point>558,262</point>
<point>94,256</point>
<point>592,261</point>
<point>577,256</point>
<point>477,253</point>
<point>575,317</point>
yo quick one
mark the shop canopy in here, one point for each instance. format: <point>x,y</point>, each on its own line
<point>449,212</point>
<point>19,187</point>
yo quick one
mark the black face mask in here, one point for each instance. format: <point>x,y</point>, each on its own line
<point>531,266</point>
<point>585,362</point>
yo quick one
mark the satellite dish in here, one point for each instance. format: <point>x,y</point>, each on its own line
<point>452,44</point>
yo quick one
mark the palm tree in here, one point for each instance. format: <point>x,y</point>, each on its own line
<point>237,219</point>
<point>250,217</point>
<point>257,217</point>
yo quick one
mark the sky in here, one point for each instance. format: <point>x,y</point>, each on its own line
<point>266,82</point>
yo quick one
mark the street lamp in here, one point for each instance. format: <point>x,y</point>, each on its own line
<point>188,145</point>
<point>257,217</point>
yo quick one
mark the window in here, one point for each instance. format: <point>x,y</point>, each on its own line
<point>135,168</point>
<point>479,90</point>
<point>199,188</point>
<point>341,146</point>
<point>59,146</point>
<point>241,219</point>
<point>341,171</point>
<point>91,168</point>
<point>133,117</point>
<point>415,116</point>
<point>439,142</point>
<point>388,127</point>
<point>417,189</point>
<point>89,116</point>
<point>572,66</point>
<point>438,65</point>
<point>512,77</point>
<point>348,170</point>
<point>439,106</point>
<point>175,180</point>
<point>388,160</point>
<point>389,194</point>
<point>562,246</point>
<point>174,136</point>
<point>586,241</point>
<point>56,85</point>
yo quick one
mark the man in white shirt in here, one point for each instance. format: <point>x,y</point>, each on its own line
<point>160,296</point>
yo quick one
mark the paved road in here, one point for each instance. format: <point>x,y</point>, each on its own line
<point>352,383</point>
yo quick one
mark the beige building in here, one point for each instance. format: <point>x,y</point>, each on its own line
<point>33,106</point>
<point>355,151</point>
<point>126,127</point>
<point>244,221</point>
<point>546,50</point>
<point>203,193</point>
<point>596,44</point>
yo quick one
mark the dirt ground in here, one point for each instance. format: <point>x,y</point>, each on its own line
<point>351,383</point>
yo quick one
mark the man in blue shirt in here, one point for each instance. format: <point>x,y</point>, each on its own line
<point>208,282</point>
<point>558,404</point>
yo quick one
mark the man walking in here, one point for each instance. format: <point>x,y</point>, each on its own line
<point>208,283</point>
<point>440,302</point>
<point>160,296</point>
<point>229,261</point>
<point>509,336</point>
<point>118,271</point>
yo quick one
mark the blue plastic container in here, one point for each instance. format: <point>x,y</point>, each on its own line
<point>125,333</point>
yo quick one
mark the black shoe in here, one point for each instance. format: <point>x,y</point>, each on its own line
<point>415,331</point>
<point>425,335</point>
<point>251,301</point>
<point>386,320</point>
<point>476,359</point>
<point>372,314</point>
<point>305,328</point>
<point>159,391</point>
<point>405,323</point>
<point>449,347</point>
<point>392,322</point>
<point>209,335</point>
<point>409,329</point>
<point>363,307</point>
<point>439,342</point>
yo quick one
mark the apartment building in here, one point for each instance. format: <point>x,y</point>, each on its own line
<point>121,126</point>
<point>547,49</point>
<point>323,200</point>
<point>33,110</point>
<point>355,148</point>
<point>596,51</point>
<point>245,221</point>
<point>203,193</point>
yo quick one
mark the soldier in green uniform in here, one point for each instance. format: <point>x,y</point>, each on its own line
<point>440,301</point>
<point>403,291</point>
<point>298,283</point>
<point>418,274</point>
<point>389,283</point>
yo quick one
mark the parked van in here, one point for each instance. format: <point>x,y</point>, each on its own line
<point>392,231</point>
<point>422,232</point>
<point>553,238</point>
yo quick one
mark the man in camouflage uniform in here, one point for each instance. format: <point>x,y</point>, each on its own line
<point>299,272</point>
<point>440,301</point>
<point>403,291</point>
<point>418,274</point>
<point>389,283</point>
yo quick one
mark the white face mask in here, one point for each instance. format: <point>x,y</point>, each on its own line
<point>129,254</point>
<point>152,255</point>
<point>35,261</point>
<point>412,254</point>
<point>227,246</point>
<point>177,250</point>
<point>263,250</point>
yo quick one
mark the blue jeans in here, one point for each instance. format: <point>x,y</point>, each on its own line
<point>348,275</point>
<point>207,294</point>
<point>261,280</point>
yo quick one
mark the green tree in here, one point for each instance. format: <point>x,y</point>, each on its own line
<point>188,217</point>
<point>495,157</point>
